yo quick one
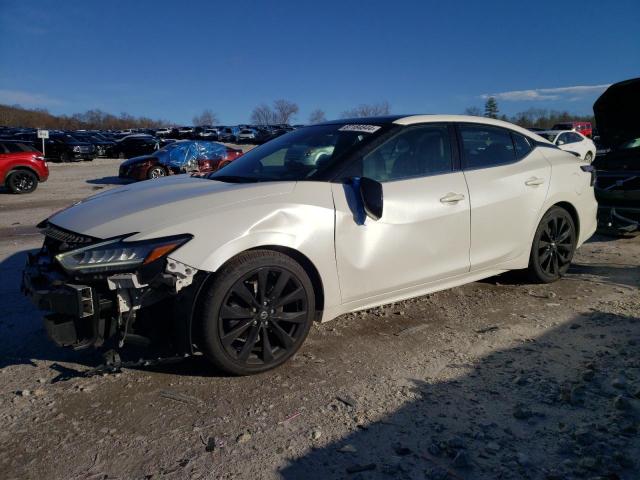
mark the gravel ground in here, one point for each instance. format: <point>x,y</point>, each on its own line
<point>495,379</point>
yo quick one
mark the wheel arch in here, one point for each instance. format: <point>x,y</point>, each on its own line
<point>572,211</point>
<point>302,259</point>
<point>23,168</point>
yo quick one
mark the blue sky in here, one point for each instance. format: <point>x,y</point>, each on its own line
<point>168,59</point>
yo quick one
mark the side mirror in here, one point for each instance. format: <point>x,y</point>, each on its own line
<point>560,142</point>
<point>371,194</point>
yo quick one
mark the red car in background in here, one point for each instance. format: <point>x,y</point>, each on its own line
<point>585,128</point>
<point>21,166</point>
<point>184,156</point>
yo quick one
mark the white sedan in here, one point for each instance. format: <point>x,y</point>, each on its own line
<point>572,142</point>
<point>324,220</point>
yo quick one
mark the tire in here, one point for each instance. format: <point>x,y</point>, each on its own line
<point>243,306</point>
<point>64,157</point>
<point>156,172</point>
<point>122,156</point>
<point>553,246</point>
<point>22,181</point>
<point>588,157</point>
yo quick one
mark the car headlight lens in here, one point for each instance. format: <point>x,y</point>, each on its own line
<point>119,255</point>
<point>76,149</point>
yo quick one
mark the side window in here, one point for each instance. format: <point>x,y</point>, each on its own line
<point>414,152</point>
<point>521,144</point>
<point>13,147</point>
<point>484,146</point>
<point>575,138</point>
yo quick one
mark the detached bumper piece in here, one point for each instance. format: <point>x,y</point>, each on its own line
<point>617,219</point>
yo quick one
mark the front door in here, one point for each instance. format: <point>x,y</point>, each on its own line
<point>423,234</point>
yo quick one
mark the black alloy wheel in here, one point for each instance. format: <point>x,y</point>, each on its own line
<point>257,313</point>
<point>65,157</point>
<point>553,246</point>
<point>22,181</point>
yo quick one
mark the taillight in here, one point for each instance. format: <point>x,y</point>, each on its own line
<point>590,169</point>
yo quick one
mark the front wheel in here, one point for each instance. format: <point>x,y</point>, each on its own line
<point>156,172</point>
<point>256,313</point>
<point>553,246</point>
<point>22,181</point>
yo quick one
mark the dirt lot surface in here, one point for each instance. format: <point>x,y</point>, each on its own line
<point>496,379</point>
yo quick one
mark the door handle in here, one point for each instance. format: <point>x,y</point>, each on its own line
<point>534,181</point>
<point>452,198</point>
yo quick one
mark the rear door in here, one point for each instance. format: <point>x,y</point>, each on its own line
<point>423,234</point>
<point>508,180</point>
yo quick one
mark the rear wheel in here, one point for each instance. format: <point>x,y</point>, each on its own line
<point>553,246</point>
<point>257,312</point>
<point>156,172</point>
<point>22,181</point>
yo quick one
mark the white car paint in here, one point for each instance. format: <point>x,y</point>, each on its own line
<point>436,232</point>
<point>567,140</point>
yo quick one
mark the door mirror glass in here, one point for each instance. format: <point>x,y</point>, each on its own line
<point>371,194</point>
<point>560,142</point>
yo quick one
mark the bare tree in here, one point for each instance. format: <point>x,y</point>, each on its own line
<point>207,117</point>
<point>317,116</point>
<point>284,110</point>
<point>263,115</point>
<point>367,110</point>
<point>473,111</point>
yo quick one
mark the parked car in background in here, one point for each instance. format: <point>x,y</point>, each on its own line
<point>618,162</point>
<point>248,135</point>
<point>240,263</point>
<point>583,128</point>
<point>571,141</point>
<point>180,157</point>
<point>67,148</point>
<point>103,147</point>
<point>22,166</point>
<point>135,145</point>
<point>228,134</point>
<point>163,132</point>
<point>186,133</point>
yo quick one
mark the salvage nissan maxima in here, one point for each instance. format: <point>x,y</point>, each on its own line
<point>324,220</point>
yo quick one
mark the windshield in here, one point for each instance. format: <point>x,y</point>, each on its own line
<point>298,155</point>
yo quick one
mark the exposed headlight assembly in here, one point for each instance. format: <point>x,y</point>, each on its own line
<point>118,254</point>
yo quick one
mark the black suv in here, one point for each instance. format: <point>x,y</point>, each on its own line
<point>135,145</point>
<point>617,185</point>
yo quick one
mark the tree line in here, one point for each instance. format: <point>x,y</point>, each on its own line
<point>16,116</point>
<point>279,112</point>
<point>533,117</point>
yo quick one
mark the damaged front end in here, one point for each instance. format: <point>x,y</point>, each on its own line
<point>108,293</point>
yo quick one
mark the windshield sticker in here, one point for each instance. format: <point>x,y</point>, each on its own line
<point>359,128</point>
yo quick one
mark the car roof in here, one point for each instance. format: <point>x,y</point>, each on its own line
<point>435,118</point>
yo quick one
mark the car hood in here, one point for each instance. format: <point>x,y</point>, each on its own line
<point>147,207</point>
<point>616,112</point>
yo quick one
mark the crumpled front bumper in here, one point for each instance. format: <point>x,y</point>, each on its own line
<point>76,313</point>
